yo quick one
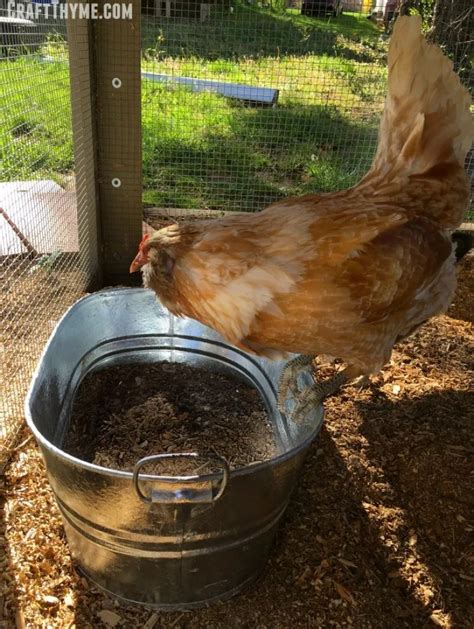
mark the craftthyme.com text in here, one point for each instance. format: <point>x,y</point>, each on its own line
<point>71,10</point>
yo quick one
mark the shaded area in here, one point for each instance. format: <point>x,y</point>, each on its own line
<point>421,490</point>
<point>462,307</point>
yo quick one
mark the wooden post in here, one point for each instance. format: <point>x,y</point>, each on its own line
<point>83,125</point>
<point>117,49</point>
<point>113,61</point>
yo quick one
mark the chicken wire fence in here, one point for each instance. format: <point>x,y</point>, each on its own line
<point>46,261</point>
<point>242,103</point>
<point>247,102</point>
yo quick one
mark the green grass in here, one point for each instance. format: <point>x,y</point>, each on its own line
<point>203,151</point>
<point>206,151</point>
<point>250,32</point>
<point>35,120</point>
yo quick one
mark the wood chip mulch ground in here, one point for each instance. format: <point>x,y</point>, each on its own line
<point>379,531</point>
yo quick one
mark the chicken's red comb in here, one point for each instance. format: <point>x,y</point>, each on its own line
<point>143,240</point>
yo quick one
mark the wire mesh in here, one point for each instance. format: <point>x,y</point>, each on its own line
<point>245,102</point>
<point>45,256</point>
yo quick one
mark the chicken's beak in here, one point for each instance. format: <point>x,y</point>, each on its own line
<point>139,260</point>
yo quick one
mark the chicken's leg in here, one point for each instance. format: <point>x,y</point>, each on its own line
<point>289,378</point>
<point>316,394</point>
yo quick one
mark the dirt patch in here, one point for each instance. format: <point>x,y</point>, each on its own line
<point>124,413</point>
<point>378,533</point>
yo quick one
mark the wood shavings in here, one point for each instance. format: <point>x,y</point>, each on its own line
<point>152,621</point>
<point>344,593</point>
<point>109,618</point>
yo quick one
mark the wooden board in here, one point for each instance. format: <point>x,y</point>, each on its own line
<point>43,212</point>
<point>263,95</point>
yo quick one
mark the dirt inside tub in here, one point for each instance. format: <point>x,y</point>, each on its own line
<point>127,412</point>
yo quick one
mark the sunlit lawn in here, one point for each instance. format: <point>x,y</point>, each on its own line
<point>202,150</point>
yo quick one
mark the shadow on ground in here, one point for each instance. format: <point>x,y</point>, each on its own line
<point>423,450</point>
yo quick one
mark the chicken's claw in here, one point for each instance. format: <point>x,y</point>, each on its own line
<point>289,378</point>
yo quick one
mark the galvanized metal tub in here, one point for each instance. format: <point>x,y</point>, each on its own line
<point>169,542</point>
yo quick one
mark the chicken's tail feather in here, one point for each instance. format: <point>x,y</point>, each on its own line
<point>427,120</point>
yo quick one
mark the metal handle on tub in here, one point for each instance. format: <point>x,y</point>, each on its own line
<point>192,490</point>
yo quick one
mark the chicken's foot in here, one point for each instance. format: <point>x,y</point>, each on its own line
<point>289,378</point>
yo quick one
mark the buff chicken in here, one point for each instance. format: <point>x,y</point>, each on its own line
<point>345,274</point>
